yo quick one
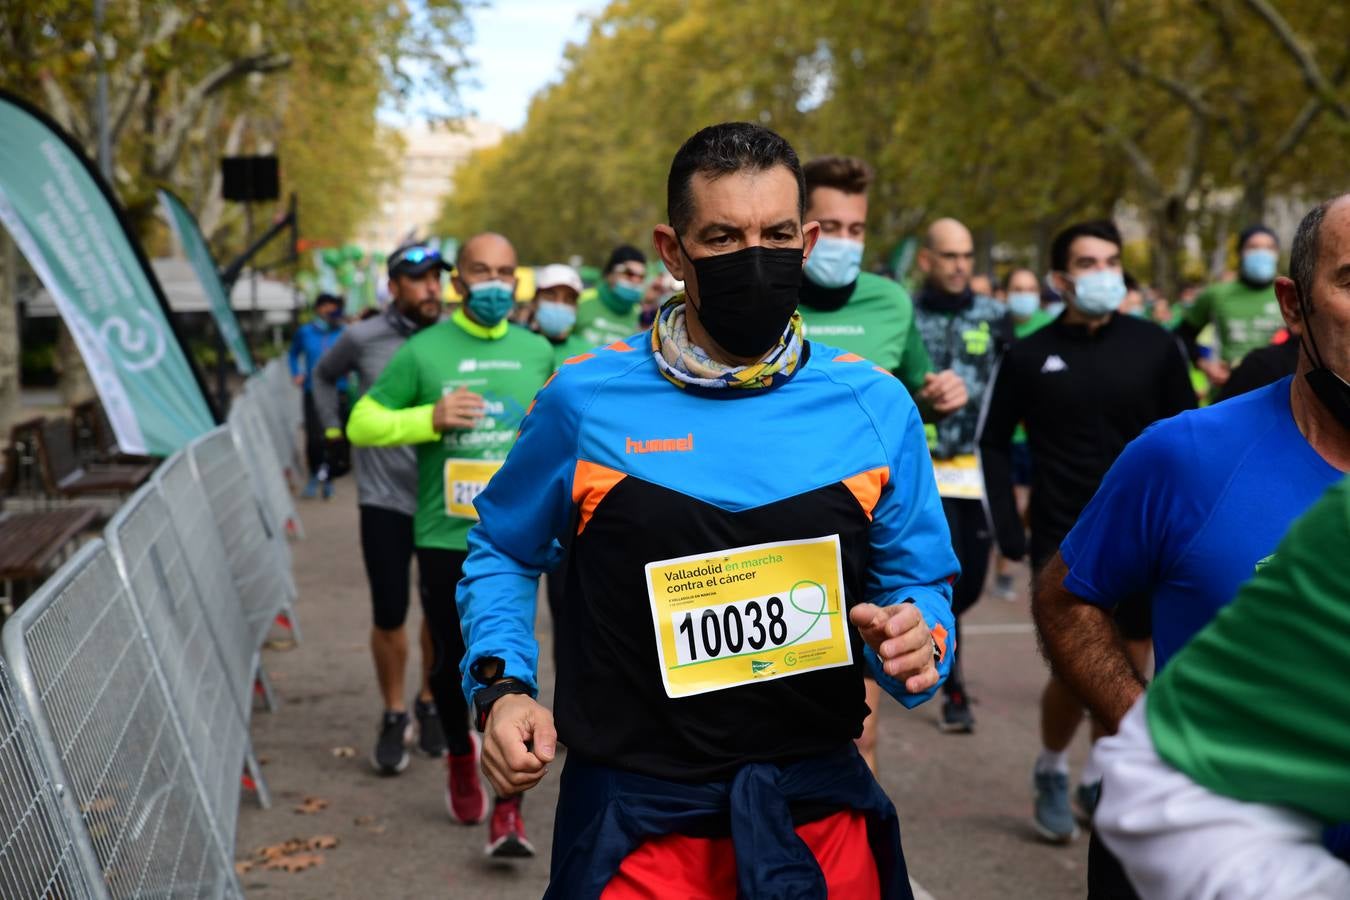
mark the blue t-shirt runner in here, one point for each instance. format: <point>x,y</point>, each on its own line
<point>1192,509</point>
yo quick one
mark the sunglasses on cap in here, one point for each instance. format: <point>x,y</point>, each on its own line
<point>412,257</point>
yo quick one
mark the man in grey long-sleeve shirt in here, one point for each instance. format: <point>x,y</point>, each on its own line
<point>386,479</point>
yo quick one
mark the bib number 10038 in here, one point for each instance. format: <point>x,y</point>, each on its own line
<point>718,631</point>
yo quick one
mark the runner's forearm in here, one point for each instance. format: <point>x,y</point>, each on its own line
<point>374,425</point>
<point>1084,648</point>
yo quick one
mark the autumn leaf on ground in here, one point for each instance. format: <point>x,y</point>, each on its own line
<point>344,752</point>
<point>280,644</point>
<point>297,863</point>
<point>243,866</point>
<point>323,842</point>
<point>273,851</point>
<point>311,805</point>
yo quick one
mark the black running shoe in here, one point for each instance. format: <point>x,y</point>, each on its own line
<point>430,735</point>
<point>956,715</point>
<point>391,748</point>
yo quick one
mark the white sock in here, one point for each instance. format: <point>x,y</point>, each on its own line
<point>1053,761</point>
<point>1092,773</point>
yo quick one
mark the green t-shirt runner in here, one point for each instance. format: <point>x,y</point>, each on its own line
<point>1245,317</point>
<point>603,318</point>
<point>505,364</point>
<point>877,323</point>
<point>1255,707</point>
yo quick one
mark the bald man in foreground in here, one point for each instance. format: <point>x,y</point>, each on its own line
<point>458,390</point>
<point>965,332</point>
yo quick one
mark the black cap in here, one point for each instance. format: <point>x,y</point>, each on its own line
<point>622,254</point>
<point>415,259</point>
<point>1251,231</point>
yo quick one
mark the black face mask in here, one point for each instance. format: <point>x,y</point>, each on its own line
<point>746,298</point>
<point>1330,389</point>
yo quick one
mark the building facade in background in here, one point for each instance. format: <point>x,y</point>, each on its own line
<point>424,177</point>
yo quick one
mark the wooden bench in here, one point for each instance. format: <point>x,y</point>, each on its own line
<point>33,543</point>
<point>63,475</point>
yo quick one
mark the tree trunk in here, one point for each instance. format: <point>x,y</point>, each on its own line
<point>1252,209</point>
<point>1167,222</point>
<point>9,335</point>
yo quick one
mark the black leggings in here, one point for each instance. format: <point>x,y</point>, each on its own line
<point>440,573</point>
<point>387,548</point>
<point>971,542</point>
<point>315,445</point>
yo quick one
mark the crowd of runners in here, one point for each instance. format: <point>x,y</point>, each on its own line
<point>759,487</point>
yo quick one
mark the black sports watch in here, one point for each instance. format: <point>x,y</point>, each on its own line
<point>485,697</point>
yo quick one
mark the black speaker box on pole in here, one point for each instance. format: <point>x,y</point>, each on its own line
<point>249,179</point>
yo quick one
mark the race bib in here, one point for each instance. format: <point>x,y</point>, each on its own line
<point>748,614</point>
<point>465,479</point>
<point>959,478</point>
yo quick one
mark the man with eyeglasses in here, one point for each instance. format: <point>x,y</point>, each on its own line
<point>458,391</point>
<point>386,483</point>
<point>609,311</point>
<point>966,332</point>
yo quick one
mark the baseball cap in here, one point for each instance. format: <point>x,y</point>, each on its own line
<point>415,259</point>
<point>557,275</point>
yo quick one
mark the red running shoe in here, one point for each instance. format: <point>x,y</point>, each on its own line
<point>506,834</point>
<point>464,795</point>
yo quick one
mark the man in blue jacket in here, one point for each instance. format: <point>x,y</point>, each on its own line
<point>749,522</point>
<point>310,343</point>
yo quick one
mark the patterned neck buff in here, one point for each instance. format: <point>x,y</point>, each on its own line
<point>683,363</point>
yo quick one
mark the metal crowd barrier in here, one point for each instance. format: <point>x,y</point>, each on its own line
<point>254,546</point>
<point>125,703</point>
<point>134,795</point>
<point>188,631</point>
<point>281,402</point>
<point>255,445</point>
<point>39,856</point>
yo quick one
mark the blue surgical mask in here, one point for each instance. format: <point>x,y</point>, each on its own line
<point>555,319</point>
<point>1099,292</point>
<point>626,293</point>
<point>834,262</point>
<point>1054,308</point>
<point>490,301</point>
<point>1258,265</point>
<point>1024,303</point>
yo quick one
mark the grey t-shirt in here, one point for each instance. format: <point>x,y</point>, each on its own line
<point>385,476</point>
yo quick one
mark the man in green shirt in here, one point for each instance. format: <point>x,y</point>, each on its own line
<point>1244,312</point>
<point>1022,290</point>
<point>609,311</point>
<point>458,390</point>
<point>864,314</point>
<point>854,310</point>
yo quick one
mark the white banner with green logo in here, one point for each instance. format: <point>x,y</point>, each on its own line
<point>64,220</point>
<point>192,241</point>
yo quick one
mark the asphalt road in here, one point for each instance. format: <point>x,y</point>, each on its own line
<point>964,800</point>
